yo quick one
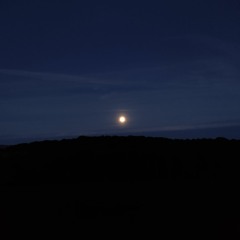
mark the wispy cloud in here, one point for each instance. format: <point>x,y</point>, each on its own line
<point>57,77</point>
<point>16,83</point>
<point>207,125</point>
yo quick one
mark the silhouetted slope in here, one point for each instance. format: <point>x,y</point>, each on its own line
<point>130,185</point>
<point>119,159</point>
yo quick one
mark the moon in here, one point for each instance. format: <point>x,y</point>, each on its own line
<point>122,120</point>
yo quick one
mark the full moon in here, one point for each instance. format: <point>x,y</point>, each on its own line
<point>122,119</point>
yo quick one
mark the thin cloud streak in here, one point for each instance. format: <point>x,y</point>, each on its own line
<point>26,84</point>
<point>58,77</point>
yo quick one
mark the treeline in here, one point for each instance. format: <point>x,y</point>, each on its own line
<point>119,159</point>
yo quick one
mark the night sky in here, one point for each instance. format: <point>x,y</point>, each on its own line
<point>70,68</point>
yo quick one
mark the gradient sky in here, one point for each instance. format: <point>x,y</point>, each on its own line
<point>69,68</point>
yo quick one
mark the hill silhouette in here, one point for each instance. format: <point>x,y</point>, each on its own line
<point>123,182</point>
<point>119,159</point>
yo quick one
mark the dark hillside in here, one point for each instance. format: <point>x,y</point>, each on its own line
<point>136,183</point>
<point>119,159</point>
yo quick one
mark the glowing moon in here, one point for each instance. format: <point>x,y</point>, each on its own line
<point>122,119</point>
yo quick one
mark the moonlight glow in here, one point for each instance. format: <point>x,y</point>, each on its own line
<point>122,119</point>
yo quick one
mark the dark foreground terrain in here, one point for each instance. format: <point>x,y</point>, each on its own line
<point>121,186</point>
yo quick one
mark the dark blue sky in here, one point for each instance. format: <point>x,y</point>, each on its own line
<point>69,68</point>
